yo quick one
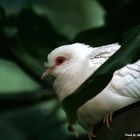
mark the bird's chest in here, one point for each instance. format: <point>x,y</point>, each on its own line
<point>94,110</point>
<point>68,83</point>
<point>91,113</point>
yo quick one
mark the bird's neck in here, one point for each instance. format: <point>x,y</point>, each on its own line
<point>66,83</point>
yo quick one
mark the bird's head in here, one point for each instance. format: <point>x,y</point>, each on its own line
<point>64,58</point>
<point>67,64</point>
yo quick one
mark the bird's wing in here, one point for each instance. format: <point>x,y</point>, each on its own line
<point>126,81</point>
<point>100,54</point>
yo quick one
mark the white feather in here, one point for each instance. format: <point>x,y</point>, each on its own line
<point>81,62</point>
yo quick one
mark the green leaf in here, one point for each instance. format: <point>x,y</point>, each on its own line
<point>118,13</point>
<point>100,36</point>
<point>128,53</point>
<point>2,14</point>
<point>27,39</point>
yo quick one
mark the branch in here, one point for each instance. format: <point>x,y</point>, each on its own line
<point>118,113</point>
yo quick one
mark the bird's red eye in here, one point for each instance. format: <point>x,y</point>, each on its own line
<point>59,60</point>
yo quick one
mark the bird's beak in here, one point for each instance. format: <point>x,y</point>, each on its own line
<point>47,72</point>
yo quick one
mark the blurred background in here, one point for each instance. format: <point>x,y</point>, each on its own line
<point>29,30</point>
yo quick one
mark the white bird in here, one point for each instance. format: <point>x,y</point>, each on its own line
<point>73,64</point>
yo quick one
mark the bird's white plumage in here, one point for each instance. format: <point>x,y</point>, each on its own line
<point>127,80</point>
<point>81,62</point>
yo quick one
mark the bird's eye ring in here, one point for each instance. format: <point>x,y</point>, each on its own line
<point>59,60</point>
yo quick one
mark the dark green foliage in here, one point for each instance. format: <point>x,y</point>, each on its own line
<point>121,16</point>
<point>27,37</point>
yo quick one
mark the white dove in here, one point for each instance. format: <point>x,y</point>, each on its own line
<point>72,64</point>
